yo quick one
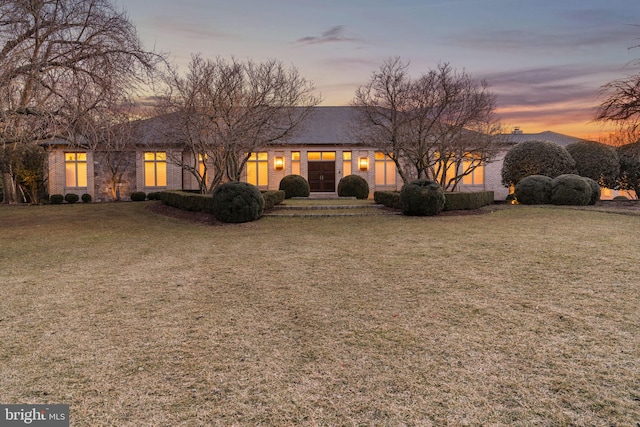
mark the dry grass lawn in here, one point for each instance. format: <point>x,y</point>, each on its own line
<point>524,316</point>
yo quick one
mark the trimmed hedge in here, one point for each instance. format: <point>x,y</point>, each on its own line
<point>153,196</point>
<point>138,196</point>
<point>272,198</point>
<point>237,202</point>
<point>294,186</point>
<point>570,189</point>
<point>534,190</point>
<point>56,199</point>
<point>86,198</point>
<point>467,201</point>
<point>422,197</point>
<point>193,202</point>
<point>353,186</point>
<point>390,199</point>
<point>71,198</point>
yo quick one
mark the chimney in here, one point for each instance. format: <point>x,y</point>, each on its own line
<point>517,131</point>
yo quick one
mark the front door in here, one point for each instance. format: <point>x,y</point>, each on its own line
<point>322,176</point>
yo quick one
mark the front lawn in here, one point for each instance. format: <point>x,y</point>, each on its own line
<point>524,316</point>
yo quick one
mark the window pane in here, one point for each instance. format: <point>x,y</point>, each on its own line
<point>379,172</point>
<point>252,177</point>
<point>263,173</point>
<point>478,175</point>
<point>263,155</point>
<point>161,156</point>
<point>82,174</point>
<point>346,155</point>
<point>391,172</point>
<point>149,174</point>
<point>379,155</point>
<point>70,174</point>
<point>329,155</point>
<point>313,155</point>
<point>150,156</point>
<point>295,155</point>
<point>346,168</point>
<point>161,174</point>
<point>81,157</point>
<point>295,168</point>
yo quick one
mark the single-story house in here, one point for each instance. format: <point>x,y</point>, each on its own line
<point>323,151</point>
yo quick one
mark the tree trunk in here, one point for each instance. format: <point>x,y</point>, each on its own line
<point>9,189</point>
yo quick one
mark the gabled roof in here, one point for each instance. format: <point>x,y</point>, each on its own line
<point>517,137</point>
<point>324,126</point>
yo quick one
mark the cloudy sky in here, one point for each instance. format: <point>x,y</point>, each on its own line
<point>546,60</point>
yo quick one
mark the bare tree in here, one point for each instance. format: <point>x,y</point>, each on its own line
<point>50,47</point>
<point>440,126</point>
<point>224,110</point>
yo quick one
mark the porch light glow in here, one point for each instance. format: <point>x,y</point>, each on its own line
<point>278,163</point>
<point>363,163</point>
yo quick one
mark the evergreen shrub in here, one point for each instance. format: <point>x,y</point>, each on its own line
<point>56,199</point>
<point>294,186</point>
<point>534,190</point>
<point>595,190</point>
<point>138,196</point>
<point>194,202</point>
<point>71,198</point>
<point>272,198</point>
<point>390,199</point>
<point>570,189</point>
<point>353,186</point>
<point>86,198</point>
<point>237,202</point>
<point>455,201</point>
<point>422,197</point>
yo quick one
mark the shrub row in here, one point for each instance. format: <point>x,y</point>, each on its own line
<point>187,201</point>
<point>467,201</point>
<point>453,201</point>
<point>272,198</point>
<point>71,198</point>
<point>567,189</point>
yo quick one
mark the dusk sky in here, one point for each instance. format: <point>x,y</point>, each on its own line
<point>545,60</point>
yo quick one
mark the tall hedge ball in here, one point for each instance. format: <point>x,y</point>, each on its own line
<point>353,186</point>
<point>534,190</point>
<point>535,158</point>
<point>237,202</point>
<point>422,197</point>
<point>294,186</point>
<point>570,189</point>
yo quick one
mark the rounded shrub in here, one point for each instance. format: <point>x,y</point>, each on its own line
<point>237,202</point>
<point>597,161</point>
<point>71,198</point>
<point>294,186</point>
<point>353,186</point>
<point>534,190</point>
<point>570,189</point>
<point>535,158</point>
<point>138,196</point>
<point>56,199</point>
<point>595,190</point>
<point>621,198</point>
<point>86,198</point>
<point>153,196</point>
<point>422,197</point>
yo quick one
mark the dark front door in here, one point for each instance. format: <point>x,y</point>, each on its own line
<point>322,176</point>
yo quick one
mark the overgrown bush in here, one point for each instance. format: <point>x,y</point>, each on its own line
<point>294,186</point>
<point>390,199</point>
<point>138,196</point>
<point>457,201</point>
<point>153,196</point>
<point>272,198</point>
<point>194,202</point>
<point>595,190</point>
<point>86,198</point>
<point>71,198</point>
<point>353,186</point>
<point>237,202</point>
<point>56,199</point>
<point>597,161</point>
<point>422,197</point>
<point>535,158</point>
<point>534,190</point>
<point>570,189</point>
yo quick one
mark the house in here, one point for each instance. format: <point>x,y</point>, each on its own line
<point>323,151</point>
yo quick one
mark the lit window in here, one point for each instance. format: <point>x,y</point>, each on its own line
<point>385,169</point>
<point>476,177</point>
<point>346,163</point>
<point>75,165</point>
<point>321,155</point>
<point>258,169</point>
<point>202,170</point>
<point>155,169</point>
<point>295,162</point>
